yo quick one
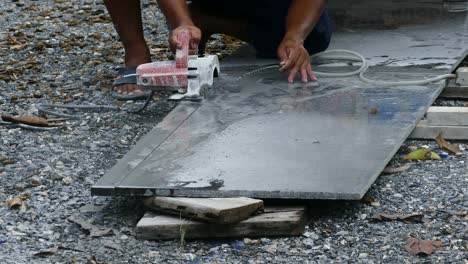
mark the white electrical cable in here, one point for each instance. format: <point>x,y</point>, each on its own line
<point>365,66</point>
<point>339,74</point>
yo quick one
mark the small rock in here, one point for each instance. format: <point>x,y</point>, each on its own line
<point>224,246</point>
<point>312,235</point>
<point>111,245</point>
<point>238,245</point>
<point>385,247</point>
<point>271,249</point>
<point>249,241</point>
<point>214,249</point>
<point>342,233</point>
<point>16,233</point>
<point>35,182</point>
<point>189,256</point>
<point>59,165</point>
<point>412,148</point>
<point>19,187</point>
<point>308,242</point>
<point>67,180</point>
<point>153,254</point>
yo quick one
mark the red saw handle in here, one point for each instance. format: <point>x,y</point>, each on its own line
<point>181,57</point>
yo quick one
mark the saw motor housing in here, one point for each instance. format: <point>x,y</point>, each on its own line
<point>187,75</point>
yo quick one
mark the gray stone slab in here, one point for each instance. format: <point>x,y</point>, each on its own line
<point>261,137</point>
<point>265,138</point>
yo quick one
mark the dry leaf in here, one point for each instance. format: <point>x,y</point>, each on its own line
<point>25,196</point>
<point>6,161</point>
<point>415,246</point>
<point>18,47</point>
<point>27,120</point>
<point>14,40</point>
<point>452,148</point>
<point>413,218</point>
<point>46,252</point>
<point>15,203</point>
<point>391,170</point>
<point>35,183</point>
<point>422,154</point>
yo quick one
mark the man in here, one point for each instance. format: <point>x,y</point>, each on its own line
<point>289,29</point>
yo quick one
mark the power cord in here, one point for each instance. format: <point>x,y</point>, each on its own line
<point>47,108</point>
<point>365,66</point>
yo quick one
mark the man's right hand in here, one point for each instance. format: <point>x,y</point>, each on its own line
<point>195,36</point>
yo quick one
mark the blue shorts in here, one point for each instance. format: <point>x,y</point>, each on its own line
<point>267,23</point>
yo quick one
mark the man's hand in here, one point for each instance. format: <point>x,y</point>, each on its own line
<point>295,58</point>
<point>195,36</point>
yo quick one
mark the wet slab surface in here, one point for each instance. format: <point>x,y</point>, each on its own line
<point>258,136</point>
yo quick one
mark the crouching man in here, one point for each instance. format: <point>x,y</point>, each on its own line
<point>290,30</point>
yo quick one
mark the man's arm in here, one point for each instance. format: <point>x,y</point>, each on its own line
<point>177,13</point>
<point>302,17</point>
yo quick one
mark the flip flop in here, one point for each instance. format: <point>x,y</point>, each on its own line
<point>128,76</point>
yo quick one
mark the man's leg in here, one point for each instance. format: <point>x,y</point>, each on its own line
<point>210,23</point>
<point>126,15</point>
<point>262,23</point>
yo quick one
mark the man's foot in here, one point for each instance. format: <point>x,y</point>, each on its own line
<point>128,77</point>
<point>133,58</point>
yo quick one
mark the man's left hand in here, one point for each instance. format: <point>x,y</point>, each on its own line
<point>295,58</point>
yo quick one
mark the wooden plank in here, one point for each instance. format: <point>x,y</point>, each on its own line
<point>447,116</point>
<point>213,210</point>
<point>454,91</point>
<point>425,131</point>
<point>278,221</point>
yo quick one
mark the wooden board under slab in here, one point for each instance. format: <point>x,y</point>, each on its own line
<point>213,210</point>
<point>451,121</point>
<point>425,131</point>
<point>454,91</point>
<point>275,221</point>
<point>447,116</point>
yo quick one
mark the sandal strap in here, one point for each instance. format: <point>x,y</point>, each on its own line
<point>127,71</point>
<point>126,76</point>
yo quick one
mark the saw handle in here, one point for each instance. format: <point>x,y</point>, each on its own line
<point>181,56</point>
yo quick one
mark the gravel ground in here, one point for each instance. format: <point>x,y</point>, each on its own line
<point>69,55</point>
